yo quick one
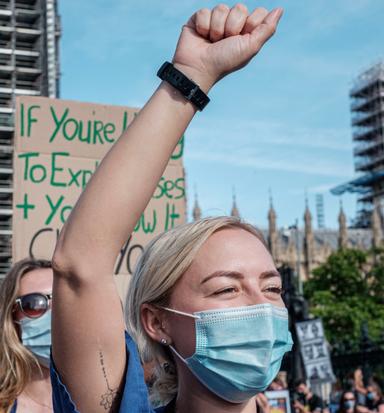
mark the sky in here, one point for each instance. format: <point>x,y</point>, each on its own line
<point>279,126</point>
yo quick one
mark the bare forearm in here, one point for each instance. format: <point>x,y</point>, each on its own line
<point>121,188</point>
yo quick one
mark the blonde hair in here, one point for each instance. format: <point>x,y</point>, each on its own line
<point>16,362</point>
<point>164,261</point>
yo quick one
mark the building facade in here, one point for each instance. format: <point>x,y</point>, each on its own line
<point>29,65</point>
<point>367,108</point>
<point>303,248</point>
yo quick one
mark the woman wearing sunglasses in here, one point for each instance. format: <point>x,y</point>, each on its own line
<point>348,403</point>
<point>205,300</point>
<point>25,338</point>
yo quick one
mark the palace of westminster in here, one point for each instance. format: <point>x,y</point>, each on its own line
<point>308,247</point>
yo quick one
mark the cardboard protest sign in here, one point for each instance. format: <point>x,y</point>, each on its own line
<point>279,401</point>
<point>314,351</point>
<point>58,146</point>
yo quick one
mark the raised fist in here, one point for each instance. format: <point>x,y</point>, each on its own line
<point>217,42</point>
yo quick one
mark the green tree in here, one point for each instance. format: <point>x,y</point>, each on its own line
<point>346,291</point>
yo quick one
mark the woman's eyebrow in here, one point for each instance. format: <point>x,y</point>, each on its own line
<point>230,274</point>
<point>270,274</point>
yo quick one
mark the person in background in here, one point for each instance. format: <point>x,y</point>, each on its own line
<point>306,401</point>
<point>278,383</point>
<point>374,398</point>
<point>262,403</point>
<point>334,399</point>
<point>359,388</point>
<point>25,338</point>
<point>348,403</point>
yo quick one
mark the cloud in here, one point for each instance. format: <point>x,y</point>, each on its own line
<point>253,161</point>
<point>317,189</point>
<point>271,132</point>
<point>263,145</point>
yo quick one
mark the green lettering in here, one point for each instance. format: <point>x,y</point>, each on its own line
<point>56,169</point>
<point>108,129</point>
<point>159,192</point>
<point>68,135</point>
<point>86,177</point>
<point>30,119</point>
<point>170,216</point>
<point>168,186</point>
<point>22,120</point>
<point>97,128</point>
<point>35,179</point>
<point>86,138</point>
<point>64,209</point>
<point>25,206</point>
<point>149,227</point>
<point>58,122</point>
<point>180,185</point>
<point>179,150</point>
<point>74,177</point>
<point>125,121</point>
<point>26,164</point>
<point>54,208</point>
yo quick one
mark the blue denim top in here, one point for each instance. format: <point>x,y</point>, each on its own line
<point>135,396</point>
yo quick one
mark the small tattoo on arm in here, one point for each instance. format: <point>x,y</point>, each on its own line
<point>109,399</point>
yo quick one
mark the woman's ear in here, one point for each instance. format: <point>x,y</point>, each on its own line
<point>154,323</point>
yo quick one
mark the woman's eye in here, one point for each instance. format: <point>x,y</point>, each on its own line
<point>275,290</point>
<point>227,290</point>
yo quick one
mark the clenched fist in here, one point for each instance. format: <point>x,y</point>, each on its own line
<point>217,42</point>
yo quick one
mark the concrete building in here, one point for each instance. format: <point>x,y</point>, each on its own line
<point>367,108</point>
<point>29,65</point>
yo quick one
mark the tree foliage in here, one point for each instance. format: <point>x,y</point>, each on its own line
<point>346,292</point>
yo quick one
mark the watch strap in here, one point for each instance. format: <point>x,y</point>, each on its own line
<point>187,87</point>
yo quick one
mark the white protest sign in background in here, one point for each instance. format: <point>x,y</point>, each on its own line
<point>314,351</point>
<point>58,146</point>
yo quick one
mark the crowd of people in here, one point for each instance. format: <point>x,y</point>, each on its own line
<point>353,398</point>
<point>357,397</point>
<point>25,316</point>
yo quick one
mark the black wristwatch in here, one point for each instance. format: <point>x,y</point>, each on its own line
<point>187,87</point>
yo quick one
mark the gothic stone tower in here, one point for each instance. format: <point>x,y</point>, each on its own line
<point>343,233</point>
<point>272,231</point>
<point>308,241</point>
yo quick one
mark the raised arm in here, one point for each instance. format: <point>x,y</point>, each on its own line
<point>88,340</point>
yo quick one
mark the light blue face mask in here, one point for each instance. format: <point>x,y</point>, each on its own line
<point>238,350</point>
<point>371,395</point>
<point>36,336</point>
<point>349,404</point>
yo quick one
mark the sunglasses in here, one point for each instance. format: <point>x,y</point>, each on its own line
<point>34,305</point>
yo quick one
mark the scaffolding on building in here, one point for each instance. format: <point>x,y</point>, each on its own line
<point>29,65</point>
<point>367,108</point>
<point>320,211</point>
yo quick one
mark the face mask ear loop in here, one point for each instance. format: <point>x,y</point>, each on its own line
<point>181,312</point>
<point>187,315</point>
<point>177,354</point>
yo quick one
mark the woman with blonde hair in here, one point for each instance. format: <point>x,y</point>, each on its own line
<point>25,338</point>
<point>205,300</point>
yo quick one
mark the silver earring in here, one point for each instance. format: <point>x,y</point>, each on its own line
<point>163,341</point>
